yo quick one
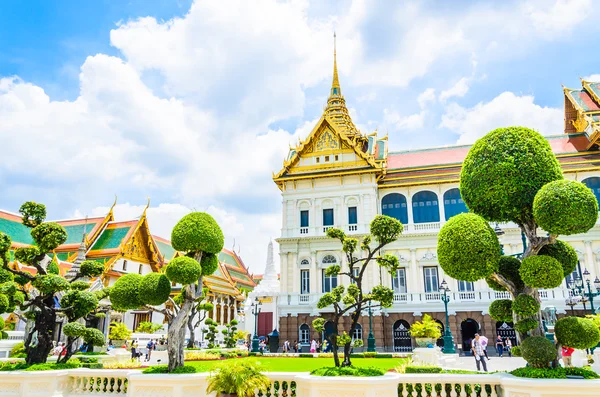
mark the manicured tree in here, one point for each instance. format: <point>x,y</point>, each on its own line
<point>353,299</point>
<point>229,333</point>
<point>198,314</point>
<point>511,175</point>
<point>36,295</point>
<point>198,236</point>
<point>211,332</point>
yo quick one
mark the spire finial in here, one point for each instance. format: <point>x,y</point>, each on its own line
<point>335,85</point>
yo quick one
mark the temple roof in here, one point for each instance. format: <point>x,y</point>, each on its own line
<point>582,110</point>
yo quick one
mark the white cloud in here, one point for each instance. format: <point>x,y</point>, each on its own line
<point>399,122</point>
<point>457,90</point>
<point>558,17</point>
<point>592,77</point>
<point>507,109</point>
<point>426,97</point>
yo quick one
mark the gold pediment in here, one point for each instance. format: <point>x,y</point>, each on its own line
<point>327,141</point>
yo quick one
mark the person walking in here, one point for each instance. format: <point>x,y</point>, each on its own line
<point>484,343</point>
<point>134,350</point>
<point>149,347</point>
<point>567,352</point>
<point>313,346</point>
<point>499,346</point>
<point>295,346</point>
<point>478,353</point>
<point>508,346</point>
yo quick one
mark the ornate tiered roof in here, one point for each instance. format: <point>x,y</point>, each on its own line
<point>582,111</point>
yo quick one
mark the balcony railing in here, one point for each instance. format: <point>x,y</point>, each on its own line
<point>304,299</point>
<point>352,228</point>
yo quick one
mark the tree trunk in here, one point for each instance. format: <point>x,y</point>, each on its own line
<point>69,350</point>
<point>334,347</point>
<point>176,335</point>
<point>44,326</point>
<point>190,325</point>
<point>347,348</point>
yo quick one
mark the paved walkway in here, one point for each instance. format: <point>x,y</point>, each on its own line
<point>494,364</point>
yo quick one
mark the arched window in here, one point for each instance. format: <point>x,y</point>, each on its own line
<point>304,262</point>
<point>329,259</point>
<point>394,205</point>
<point>594,184</point>
<point>425,207</point>
<point>304,336</point>
<point>453,203</point>
<point>357,334</point>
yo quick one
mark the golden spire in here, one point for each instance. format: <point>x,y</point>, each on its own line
<point>335,84</point>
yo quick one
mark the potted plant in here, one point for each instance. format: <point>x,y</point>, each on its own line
<point>238,379</point>
<point>118,333</point>
<point>426,332</point>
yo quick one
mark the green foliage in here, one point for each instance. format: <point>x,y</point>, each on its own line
<point>565,207</point>
<point>562,252</point>
<point>428,328</point>
<point>383,295</point>
<point>197,232</point>
<point>80,285</point>
<point>91,268</point>
<point>164,369</point>
<point>50,284</point>
<point>501,310</point>
<point>333,270</point>
<point>17,350</point>
<point>27,255</point>
<point>118,331</point>
<point>336,234</point>
<point>4,303</point>
<point>94,337</point>
<point>318,324</point>
<point>577,332</point>
<point>343,339</point>
<point>327,299</point>
<point>124,294</point>
<point>209,263</point>
<point>53,268</point>
<point>349,245</point>
<point>525,305</point>
<point>242,378</point>
<point>48,236</point>
<point>5,242</point>
<point>348,300</point>
<point>348,371</point>
<point>22,366</point>
<point>422,369</point>
<point>229,333</point>
<point>2,325</point>
<point>32,213</point>
<point>503,172</point>
<point>154,288</point>
<point>74,329</point>
<point>148,327</point>
<point>389,262</point>
<point>365,243</point>
<point>554,373</point>
<point>353,290</point>
<point>386,229</point>
<point>541,271</point>
<point>525,325</point>
<point>5,275</point>
<point>184,270</point>
<point>468,248</point>
<point>538,351</point>
<point>516,351</point>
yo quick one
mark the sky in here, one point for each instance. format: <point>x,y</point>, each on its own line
<point>194,104</point>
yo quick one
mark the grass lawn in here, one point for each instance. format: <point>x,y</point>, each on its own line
<point>301,364</point>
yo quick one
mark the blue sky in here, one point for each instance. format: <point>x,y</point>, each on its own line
<point>194,104</point>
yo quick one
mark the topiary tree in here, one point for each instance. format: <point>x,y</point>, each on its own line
<point>36,295</point>
<point>577,332</point>
<point>211,332</point>
<point>198,236</point>
<point>538,351</point>
<point>353,300</point>
<point>229,334</point>
<point>511,175</point>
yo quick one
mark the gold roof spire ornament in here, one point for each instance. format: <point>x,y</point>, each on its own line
<point>335,84</point>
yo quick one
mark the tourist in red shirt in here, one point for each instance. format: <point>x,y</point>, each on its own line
<point>567,352</point>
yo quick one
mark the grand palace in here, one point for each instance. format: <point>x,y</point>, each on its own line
<point>339,177</point>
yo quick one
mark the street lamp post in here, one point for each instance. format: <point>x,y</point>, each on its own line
<point>591,295</point>
<point>256,311</point>
<point>448,339</point>
<point>371,338</point>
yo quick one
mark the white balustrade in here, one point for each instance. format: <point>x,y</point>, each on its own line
<point>304,299</point>
<point>446,385</point>
<point>501,295</point>
<point>85,382</point>
<point>352,228</point>
<point>303,230</point>
<point>432,296</point>
<point>467,296</point>
<point>400,298</point>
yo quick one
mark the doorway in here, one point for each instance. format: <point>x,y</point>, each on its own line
<point>468,329</point>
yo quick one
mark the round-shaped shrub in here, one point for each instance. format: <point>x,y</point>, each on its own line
<point>538,351</point>
<point>2,324</point>
<point>509,268</point>
<point>525,305</point>
<point>27,255</point>
<point>577,332</point>
<point>53,268</point>
<point>541,271</point>
<point>468,248</point>
<point>50,283</point>
<point>501,310</point>
<point>124,294</point>
<point>503,172</point>
<point>385,229</point>
<point>565,207</point>
<point>154,289</point>
<point>74,329</point>
<point>48,236</point>
<point>183,270</point>
<point>91,268</point>
<point>4,303</point>
<point>562,252</point>
<point>209,263</point>
<point>197,231</point>
<point>80,285</point>
<point>525,325</point>
<point>81,303</point>
<point>94,337</point>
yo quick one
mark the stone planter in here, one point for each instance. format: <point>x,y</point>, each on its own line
<point>425,342</point>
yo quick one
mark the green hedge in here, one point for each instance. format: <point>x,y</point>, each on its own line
<point>541,271</point>
<point>525,305</point>
<point>554,373</point>
<point>538,351</point>
<point>348,371</point>
<point>164,369</point>
<point>422,369</point>
<point>577,332</point>
<point>306,355</point>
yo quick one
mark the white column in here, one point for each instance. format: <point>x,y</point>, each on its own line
<point>409,207</point>
<point>314,276</point>
<point>413,272</point>
<point>441,205</point>
<point>222,312</point>
<point>284,272</point>
<point>589,257</point>
<point>295,272</point>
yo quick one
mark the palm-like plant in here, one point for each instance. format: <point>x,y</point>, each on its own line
<point>241,379</point>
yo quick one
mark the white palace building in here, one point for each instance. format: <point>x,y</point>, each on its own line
<point>339,177</point>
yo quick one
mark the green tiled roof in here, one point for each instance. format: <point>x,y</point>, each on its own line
<point>102,260</point>
<point>63,256</point>
<point>239,275</point>
<point>75,232</point>
<point>218,272</point>
<point>227,258</point>
<point>166,250</point>
<point>16,231</point>
<point>111,238</point>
